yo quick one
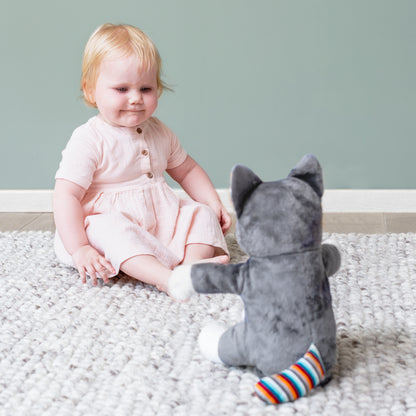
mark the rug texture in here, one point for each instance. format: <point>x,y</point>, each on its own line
<point>126,349</point>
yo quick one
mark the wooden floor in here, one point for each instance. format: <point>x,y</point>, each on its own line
<point>370,223</point>
<point>22,221</point>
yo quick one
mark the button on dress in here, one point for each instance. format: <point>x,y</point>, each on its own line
<point>129,208</point>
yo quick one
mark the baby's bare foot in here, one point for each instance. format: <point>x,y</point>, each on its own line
<point>162,288</point>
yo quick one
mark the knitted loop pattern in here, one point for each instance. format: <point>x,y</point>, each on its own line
<point>125,349</point>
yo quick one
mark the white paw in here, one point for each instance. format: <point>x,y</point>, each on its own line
<point>209,339</point>
<point>180,284</point>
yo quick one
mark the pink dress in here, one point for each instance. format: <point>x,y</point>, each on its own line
<point>129,208</point>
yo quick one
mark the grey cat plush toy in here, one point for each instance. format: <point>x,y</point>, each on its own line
<point>288,333</point>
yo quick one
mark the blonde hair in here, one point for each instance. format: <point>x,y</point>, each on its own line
<point>117,41</point>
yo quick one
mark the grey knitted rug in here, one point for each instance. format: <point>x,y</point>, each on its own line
<point>127,349</point>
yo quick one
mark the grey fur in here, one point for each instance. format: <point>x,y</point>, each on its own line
<point>284,284</point>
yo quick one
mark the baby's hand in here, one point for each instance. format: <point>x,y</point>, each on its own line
<point>222,215</point>
<point>88,260</point>
<point>225,220</point>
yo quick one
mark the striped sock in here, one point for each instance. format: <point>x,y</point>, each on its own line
<point>287,386</point>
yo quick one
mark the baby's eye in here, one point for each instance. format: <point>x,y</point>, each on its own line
<point>145,89</point>
<point>121,89</point>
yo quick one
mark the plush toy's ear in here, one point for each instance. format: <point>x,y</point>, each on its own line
<point>309,170</point>
<point>243,183</point>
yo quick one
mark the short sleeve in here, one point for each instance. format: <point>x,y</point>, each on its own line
<point>177,152</point>
<point>80,158</point>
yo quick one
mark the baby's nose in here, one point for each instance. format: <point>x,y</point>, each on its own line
<point>135,97</point>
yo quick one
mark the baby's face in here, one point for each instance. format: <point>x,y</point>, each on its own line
<point>125,94</point>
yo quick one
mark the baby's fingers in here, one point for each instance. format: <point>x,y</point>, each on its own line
<point>225,221</point>
<point>104,269</point>
<point>82,274</point>
<point>93,274</point>
<point>107,265</point>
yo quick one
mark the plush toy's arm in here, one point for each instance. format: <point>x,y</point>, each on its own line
<point>218,278</point>
<point>205,278</point>
<point>331,257</point>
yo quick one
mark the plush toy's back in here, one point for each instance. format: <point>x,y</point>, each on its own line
<point>289,330</point>
<point>287,298</point>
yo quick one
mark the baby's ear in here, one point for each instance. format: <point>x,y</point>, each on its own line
<point>309,170</point>
<point>88,93</point>
<point>243,183</point>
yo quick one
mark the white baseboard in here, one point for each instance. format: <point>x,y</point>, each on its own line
<point>335,200</point>
<point>370,200</point>
<point>26,200</point>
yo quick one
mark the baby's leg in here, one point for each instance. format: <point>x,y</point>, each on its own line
<point>147,269</point>
<point>201,253</point>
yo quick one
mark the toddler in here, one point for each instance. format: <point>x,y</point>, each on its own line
<point>112,206</point>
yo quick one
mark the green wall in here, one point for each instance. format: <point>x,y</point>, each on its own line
<point>257,82</point>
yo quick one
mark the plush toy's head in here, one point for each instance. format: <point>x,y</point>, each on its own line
<point>282,216</point>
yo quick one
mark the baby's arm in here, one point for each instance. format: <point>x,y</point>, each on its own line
<point>198,186</point>
<point>69,221</point>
